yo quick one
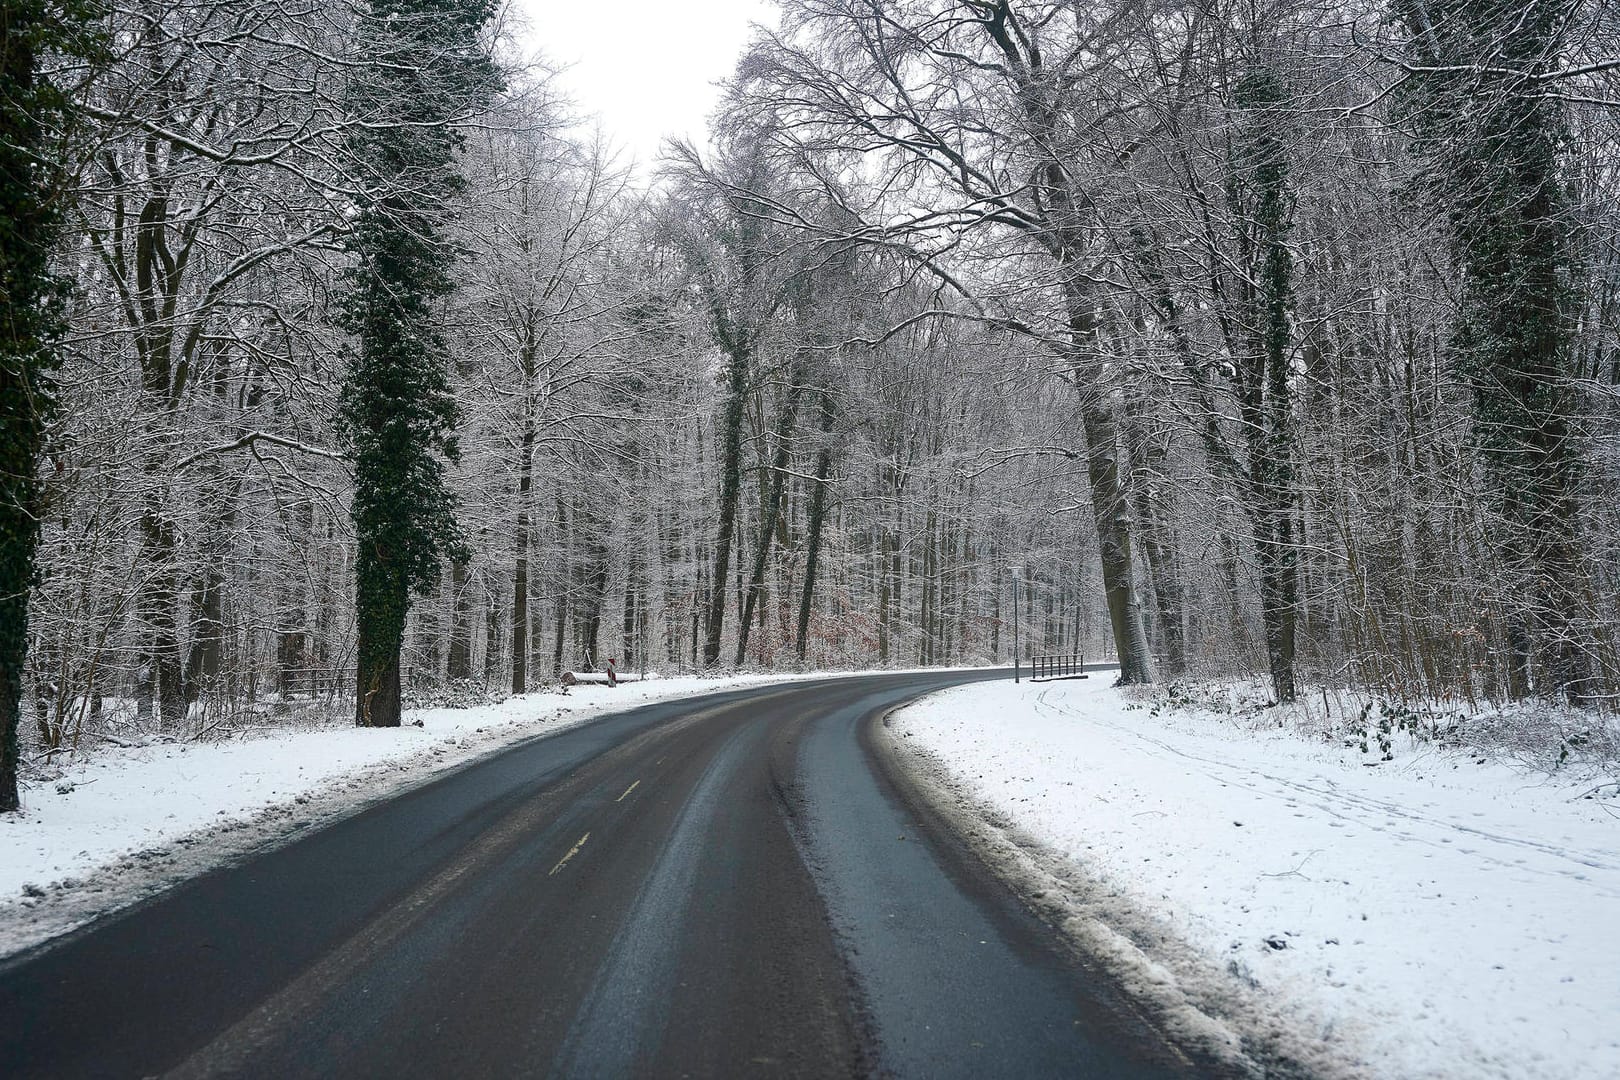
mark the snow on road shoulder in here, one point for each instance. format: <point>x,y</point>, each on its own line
<point>1428,917</point>
<point>126,822</point>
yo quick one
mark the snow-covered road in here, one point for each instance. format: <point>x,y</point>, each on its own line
<point>1430,916</point>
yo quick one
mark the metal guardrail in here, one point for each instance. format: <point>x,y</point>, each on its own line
<point>1055,666</point>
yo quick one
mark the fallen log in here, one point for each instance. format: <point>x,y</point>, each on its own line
<point>595,678</point>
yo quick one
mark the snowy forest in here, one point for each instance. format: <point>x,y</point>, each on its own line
<point>342,364</point>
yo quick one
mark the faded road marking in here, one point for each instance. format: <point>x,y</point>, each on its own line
<point>620,1023</point>
<point>628,790</point>
<point>571,853</point>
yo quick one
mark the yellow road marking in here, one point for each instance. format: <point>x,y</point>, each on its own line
<point>571,853</point>
<point>628,790</point>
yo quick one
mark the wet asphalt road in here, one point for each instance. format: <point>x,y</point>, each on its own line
<point>724,886</point>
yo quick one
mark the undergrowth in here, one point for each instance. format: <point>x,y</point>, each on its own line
<point>1542,735</point>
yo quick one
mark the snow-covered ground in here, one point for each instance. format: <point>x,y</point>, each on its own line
<point>121,823</point>
<point>1436,915</point>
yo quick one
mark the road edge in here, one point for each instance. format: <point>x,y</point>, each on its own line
<point>1210,1015</point>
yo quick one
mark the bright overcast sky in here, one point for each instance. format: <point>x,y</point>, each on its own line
<point>646,67</point>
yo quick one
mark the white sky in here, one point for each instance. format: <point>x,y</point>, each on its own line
<point>646,67</point>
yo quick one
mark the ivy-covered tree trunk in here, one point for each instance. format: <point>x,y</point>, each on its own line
<point>423,70</point>
<point>30,319</point>
<point>1261,204</point>
<point>1491,127</point>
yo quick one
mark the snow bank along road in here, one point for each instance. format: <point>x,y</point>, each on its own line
<point>1434,916</point>
<point>725,886</point>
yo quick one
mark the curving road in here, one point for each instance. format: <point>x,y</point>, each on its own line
<point>724,886</point>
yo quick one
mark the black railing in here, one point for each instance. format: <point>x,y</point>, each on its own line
<point>1057,666</point>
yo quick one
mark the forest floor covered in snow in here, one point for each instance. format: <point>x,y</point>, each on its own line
<point>102,829</point>
<point>1408,910</point>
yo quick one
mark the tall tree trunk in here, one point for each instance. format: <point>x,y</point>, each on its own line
<point>773,506</point>
<point>565,547</point>
<point>1265,399</point>
<point>1066,237</point>
<point>559,641</point>
<point>1495,126</point>
<point>591,590</point>
<point>158,603</point>
<point>293,603</point>
<point>207,654</point>
<point>492,635</point>
<point>927,615</point>
<point>1109,504</point>
<point>818,514</point>
<point>398,404</point>
<point>886,576</point>
<point>588,614</point>
<point>377,697</point>
<point>459,664</point>
<point>629,647</point>
<point>730,486</point>
<point>1148,452</point>
<point>520,565</point>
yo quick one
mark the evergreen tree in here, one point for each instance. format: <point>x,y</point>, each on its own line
<point>426,69</point>
<point>31,112</point>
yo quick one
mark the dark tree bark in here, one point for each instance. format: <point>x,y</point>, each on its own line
<point>628,633</point>
<point>588,612</point>
<point>206,658</point>
<point>928,615</point>
<point>289,658</point>
<point>818,515</point>
<point>492,636</point>
<point>1110,505</point>
<point>559,641</point>
<point>731,424</point>
<point>1148,481</point>
<point>294,647</point>
<point>775,482</point>
<point>590,575</point>
<point>1062,227</point>
<point>888,576</point>
<point>1259,193</point>
<point>164,679</point>
<point>459,663</point>
<point>520,542</point>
